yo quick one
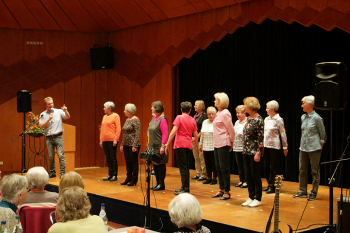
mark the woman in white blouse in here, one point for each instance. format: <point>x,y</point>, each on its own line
<point>273,131</point>
<point>206,144</point>
<point>238,144</point>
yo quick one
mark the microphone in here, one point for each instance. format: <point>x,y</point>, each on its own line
<point>41,116</point>
<point>51,110</point>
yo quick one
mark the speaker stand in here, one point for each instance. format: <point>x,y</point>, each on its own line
<point>23,135</point>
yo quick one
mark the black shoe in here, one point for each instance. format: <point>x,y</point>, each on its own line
<point>300,194</point>
<point>52,175</point>
<point>265,189</point>
<point>113,178</point>
<point>132,183</point>
<point>181,191</point>
<point>214,181</point>
<point>239,184</point>
<point>208,181</point>
<point>271,190</point>
<point>312,196</point>
<point>226,196</point>
<point>218,194</point>
<point>107,178</point>
<point>244,186</point>
<point>125,182</point>
<point>159,187</point>
<point>195,178</point>
<point>202,178</point>
<point>152,173</point>
<point>154,186</point>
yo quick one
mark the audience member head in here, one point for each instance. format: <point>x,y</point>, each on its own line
<point>185,211</point>
<point>37,178</point>
<point>14,189</point>
<point>70,179</point>
<point>223,100</point>
<point>252,103</point>
<point>73,204</point>
<point>186,107</point>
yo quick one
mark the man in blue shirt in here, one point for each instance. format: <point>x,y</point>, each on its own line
<point>313,136</point>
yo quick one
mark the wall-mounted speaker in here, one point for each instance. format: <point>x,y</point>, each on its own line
<point>101,58</point>
<point>331,86</point>
<point>24,101</point>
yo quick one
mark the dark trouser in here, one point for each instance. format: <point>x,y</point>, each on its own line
<point>314,158</point>
<point>210,164</point>
<point>222,161</point>
<point>160,172</point>
<point>111,157</point>
<point>51,143</point>
<point>132,163</point>
<point>240,165</point>
<point>183,158</point>
<point>270,159</point>
<point>252,173</point>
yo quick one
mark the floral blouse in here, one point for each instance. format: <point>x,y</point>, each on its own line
<point>253,136</point>
<point>131,131</point>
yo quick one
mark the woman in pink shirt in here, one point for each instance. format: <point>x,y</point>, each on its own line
<point>224,136</point>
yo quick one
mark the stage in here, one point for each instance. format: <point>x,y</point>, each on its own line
<point>229,212</point>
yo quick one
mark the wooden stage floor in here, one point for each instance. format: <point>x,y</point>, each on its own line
<point>230,212</point>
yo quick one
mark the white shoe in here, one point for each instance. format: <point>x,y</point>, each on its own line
<point>255,203</point>
<point>247,203</point>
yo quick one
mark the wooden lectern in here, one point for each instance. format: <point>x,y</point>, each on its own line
<point>69,148</point>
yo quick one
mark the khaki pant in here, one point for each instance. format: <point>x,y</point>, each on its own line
<point>199,161</point>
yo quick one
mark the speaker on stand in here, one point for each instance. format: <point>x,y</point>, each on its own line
<point>24,104</point>
<point>331,93</point>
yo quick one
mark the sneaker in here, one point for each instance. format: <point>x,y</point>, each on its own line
<point>248,202</point>
<point>255,203</point>
<point>312,196</point>
<point>300,194</point>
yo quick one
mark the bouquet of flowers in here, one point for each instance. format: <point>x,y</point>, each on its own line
<point>33,127</point>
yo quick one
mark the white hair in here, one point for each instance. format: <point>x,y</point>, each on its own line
<point>310,99</point>
<point>37,178</point>
<point>11,186</point>
<point>273,104</point>
<point>131,108</point>
<point>109,104</point>
<point>184,210</point>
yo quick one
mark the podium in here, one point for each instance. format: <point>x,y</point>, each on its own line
<point>69,148</point>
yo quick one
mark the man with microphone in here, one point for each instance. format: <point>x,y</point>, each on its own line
<point>51,121</point>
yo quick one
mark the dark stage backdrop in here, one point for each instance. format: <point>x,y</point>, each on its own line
<point>271,61</point>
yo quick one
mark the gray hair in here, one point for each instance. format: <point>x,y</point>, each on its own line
<point>310,99</point>
<point>131,108</point>
<point>109,104</point>
<point>273,104</point>
<point>37,178</point>
<point>158,107</point>
<point>184,210</point>
<point>11,186</point>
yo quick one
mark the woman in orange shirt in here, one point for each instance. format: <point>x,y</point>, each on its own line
<point>109,137</point>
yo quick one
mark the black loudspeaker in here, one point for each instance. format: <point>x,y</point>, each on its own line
<point>24,101</point>
<point>331,86</point>
<point>101,58</point>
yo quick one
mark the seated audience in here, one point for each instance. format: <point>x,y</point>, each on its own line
<point>185,212</point>
<point>70,179</point>
<point>38,178</point>
<point>14,190</point>
<point>74,209</point>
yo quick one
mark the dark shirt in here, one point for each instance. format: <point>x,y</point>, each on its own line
<point>199,118</point>
<point>253,136</point>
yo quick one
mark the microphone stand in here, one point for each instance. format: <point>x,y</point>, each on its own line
<point>340,162</point>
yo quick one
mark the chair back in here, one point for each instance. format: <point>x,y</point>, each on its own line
<point>36,219</point>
